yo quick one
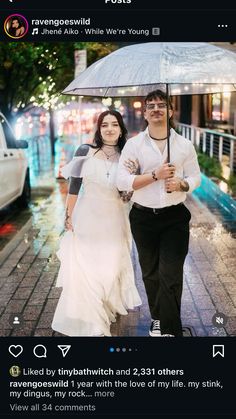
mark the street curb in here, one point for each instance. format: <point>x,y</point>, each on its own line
<point>14,241</point>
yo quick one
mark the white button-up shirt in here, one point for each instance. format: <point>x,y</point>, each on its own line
<point>182,155</point>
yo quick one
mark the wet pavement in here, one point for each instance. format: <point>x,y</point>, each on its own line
<point>29,266</point>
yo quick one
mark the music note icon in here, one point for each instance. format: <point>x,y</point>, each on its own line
<point>35,31</point>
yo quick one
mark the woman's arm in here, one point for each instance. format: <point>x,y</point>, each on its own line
<point>74,188</point>
<point>70,203</point>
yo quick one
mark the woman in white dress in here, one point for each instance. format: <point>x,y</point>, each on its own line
<point>96,271</point>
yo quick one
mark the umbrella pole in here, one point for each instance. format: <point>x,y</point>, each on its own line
<point>168,124</point>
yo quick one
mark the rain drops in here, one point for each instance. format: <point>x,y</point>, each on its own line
<point>212,234</point>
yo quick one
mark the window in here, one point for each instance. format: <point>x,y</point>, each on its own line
<point>9,135</point>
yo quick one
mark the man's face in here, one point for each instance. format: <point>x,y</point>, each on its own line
<point>156,111</point>
<point>15,24</point>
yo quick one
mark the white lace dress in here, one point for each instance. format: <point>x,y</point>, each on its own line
<point>96,271</point>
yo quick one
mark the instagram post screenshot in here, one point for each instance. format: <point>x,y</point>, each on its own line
<point>117,209</point>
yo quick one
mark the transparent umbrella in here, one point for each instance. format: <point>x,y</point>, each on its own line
<point>177,68</point>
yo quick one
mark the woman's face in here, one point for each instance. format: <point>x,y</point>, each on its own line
<point>110,129</point>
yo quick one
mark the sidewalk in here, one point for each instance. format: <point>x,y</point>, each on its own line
<point>28,275</point>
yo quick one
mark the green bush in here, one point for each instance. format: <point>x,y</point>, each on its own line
<point>209,165</point>
<point>232,184</point>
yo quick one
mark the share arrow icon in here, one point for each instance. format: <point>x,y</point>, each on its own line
<point>64,349</point>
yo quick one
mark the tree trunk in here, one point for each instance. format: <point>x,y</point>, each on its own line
<point>52,131</point>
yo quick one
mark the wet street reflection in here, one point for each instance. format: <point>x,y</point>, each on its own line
<point>30,238</point>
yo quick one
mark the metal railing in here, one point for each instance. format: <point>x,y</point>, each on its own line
<point>213,143</point>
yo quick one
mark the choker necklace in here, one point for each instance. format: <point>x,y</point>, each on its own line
<point>158,139</point>
<point>110,145</point>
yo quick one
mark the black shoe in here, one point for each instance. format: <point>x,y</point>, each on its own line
<point>155,330</point>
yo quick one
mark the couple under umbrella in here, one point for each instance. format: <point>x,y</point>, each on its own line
<point>96,272</point>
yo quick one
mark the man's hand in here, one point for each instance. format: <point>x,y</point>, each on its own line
<point>166,171</point>
<point>176,184</point>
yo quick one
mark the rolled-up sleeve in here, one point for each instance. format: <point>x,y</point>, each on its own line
<point>192,173</point>
<point>124,178</point>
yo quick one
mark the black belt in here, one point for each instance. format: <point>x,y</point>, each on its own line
<point>155,210</point>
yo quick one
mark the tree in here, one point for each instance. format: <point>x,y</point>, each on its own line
<point>34,74</point>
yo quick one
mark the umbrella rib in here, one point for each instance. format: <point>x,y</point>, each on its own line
<point>106,91</point>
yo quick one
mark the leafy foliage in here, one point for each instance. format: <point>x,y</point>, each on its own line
<point>232,184</point>
<point>36,73</point>
<point>209,165</point>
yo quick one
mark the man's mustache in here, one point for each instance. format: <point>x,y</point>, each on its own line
<point>157,114</point>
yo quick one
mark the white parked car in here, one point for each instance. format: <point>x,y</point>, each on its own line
<point>14,170</point>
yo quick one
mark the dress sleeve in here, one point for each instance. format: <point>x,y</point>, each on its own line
<point>73,169</point>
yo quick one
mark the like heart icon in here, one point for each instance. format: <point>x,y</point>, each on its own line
<point>15,350</point>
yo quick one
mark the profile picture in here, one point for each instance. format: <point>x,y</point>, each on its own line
<point>16,26</point>
<point>15,371</point>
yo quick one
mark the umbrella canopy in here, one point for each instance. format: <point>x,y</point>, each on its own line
<point>135,70</point>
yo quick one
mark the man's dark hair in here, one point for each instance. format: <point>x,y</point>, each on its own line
<point>159,94</point>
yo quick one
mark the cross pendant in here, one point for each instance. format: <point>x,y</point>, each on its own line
<point>108,174</point>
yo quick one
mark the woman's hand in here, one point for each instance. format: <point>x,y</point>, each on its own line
<point>132,166</point>
<point>126,196</point>
<point>68,223</point>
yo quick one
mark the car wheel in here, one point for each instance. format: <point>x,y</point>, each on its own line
<point>24,199</point>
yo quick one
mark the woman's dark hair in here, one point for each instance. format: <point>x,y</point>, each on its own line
<point>159,94</point>
<point>12,31</point>
<point>122,139</point>
<point>18,20</point>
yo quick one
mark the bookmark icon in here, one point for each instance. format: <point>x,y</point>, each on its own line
<point>64,349</point>
<point>218,350</point>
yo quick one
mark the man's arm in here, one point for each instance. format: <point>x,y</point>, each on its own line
<point>191,169</point>
<point>129,182</point>
<point>124,177</point>
<point>166,171</point>
<point>191,173</point>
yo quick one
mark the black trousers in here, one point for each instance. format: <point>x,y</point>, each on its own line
<point>162,243</point>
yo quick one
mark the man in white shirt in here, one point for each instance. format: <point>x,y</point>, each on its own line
<point>159,219</point>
